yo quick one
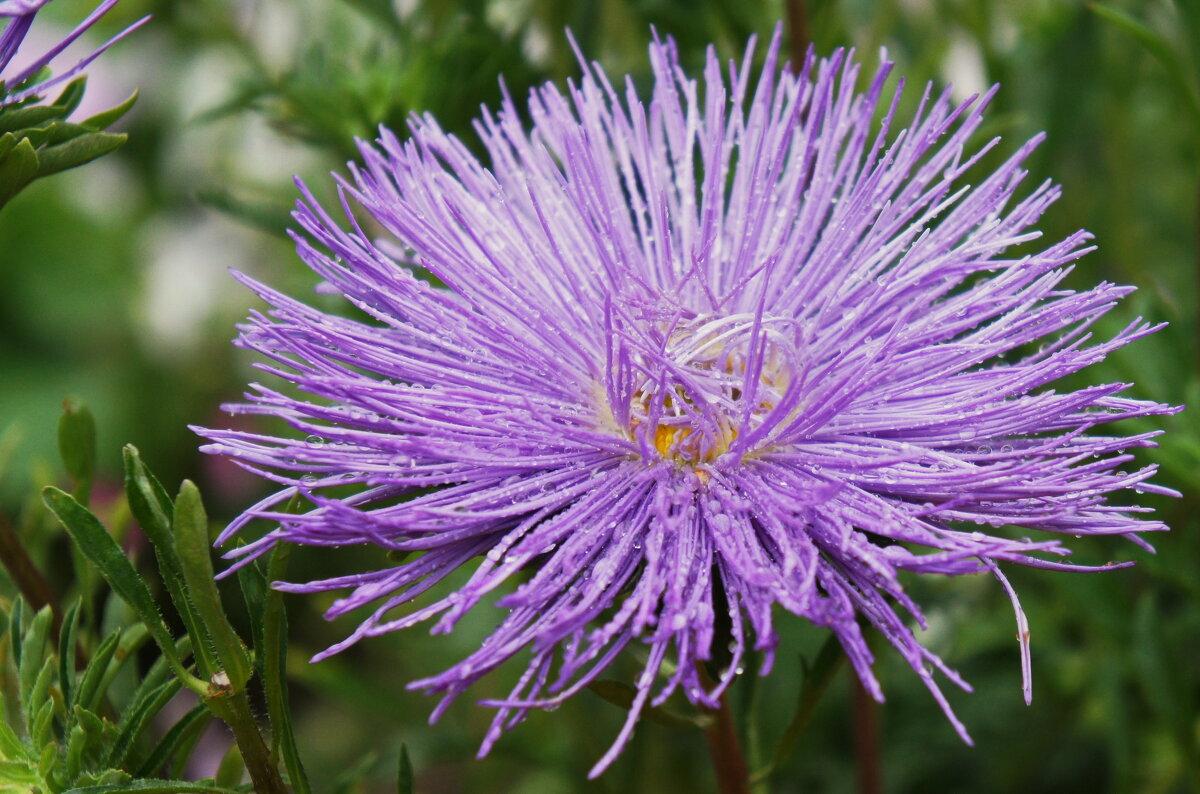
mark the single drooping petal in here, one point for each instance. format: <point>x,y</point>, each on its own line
<point>740,347</point>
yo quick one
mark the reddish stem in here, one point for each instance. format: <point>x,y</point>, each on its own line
<point>866,739</point>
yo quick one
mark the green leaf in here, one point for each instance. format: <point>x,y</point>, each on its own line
<point>16,631</point>
<point>66,654</point>
<point>78,151</point>
<point>17,169</point>
<point>254,592</point>
<point>104,118</point>
<point>813,683</point>
<point>16,119</point>
<point>189,726</point>
<point>231,768</point>
<point>1157,46</point>
<point>267,216</point>
<point>1160,678</point>
<point>77,745</point>
<point>32,667</point>
<point>273,651</point>
<point>98,546</point>
<point>151,506</point>
<point>195,555</point>
<point>154,787</point>
<point>382,10</point>
<point>77,446</point>
<point>623,695</point>
<point>89,692</point>
<point>63,131</point>
<point>92,725</point>
<point>41,733</point>
<point>72,95</point>
<point>135,719</point>
<point>11,746</point>
<point>19,777</point>
<point>404,775</point>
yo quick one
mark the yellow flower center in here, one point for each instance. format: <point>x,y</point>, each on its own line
<point>697,415</point>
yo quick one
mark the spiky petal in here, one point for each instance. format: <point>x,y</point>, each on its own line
<point>697,356</point>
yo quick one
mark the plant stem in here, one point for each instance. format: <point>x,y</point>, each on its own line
<point>798,35</point>
<point>866,739</point>
<point>25,575</point>
<point>234,709</point>
<point>726,752</point>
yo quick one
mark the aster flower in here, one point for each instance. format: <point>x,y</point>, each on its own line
<point>738,345</point>
<point>30,82</point>
<point>35,138</point>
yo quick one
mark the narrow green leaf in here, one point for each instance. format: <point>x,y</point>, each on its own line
<point>623,695</point>
<point>104,118</point>
<point>1159,678</point>
<point>37,135</point>
<point>11,746</point>
<point>148,500</point>
<point>267,216</point>
<point>66,654</point>
<point>154,787</point>
<point>135,719</point>
<point>132,638</point>
<point>48,759</point>
<point>813,683</point>
<point>1158,47</point>
<point>16,631</point>
<point>17,169</point>
<point>32,666</point>
<point>151,506</point>
<point>42,723</point>
<point>195,555</point>
<point>382,10</point>
<point>16,119</point>
<point>98,546</point>
<point>77,446</point>
<point>404,775</point>
<point>231,768</point>
<point>76,747</point>
<point>189,725</point>
<point>63,131</point>
<point>72,95</point>
<point>89,691</point>
<point>7,142</point>
<point>254,592</point>
<point>273,652</point>
<point>77,151</point>
<point>94,732</point>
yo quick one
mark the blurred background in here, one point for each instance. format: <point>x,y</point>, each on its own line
<point>114,290</point>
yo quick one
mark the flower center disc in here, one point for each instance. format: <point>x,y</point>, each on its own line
<point>713,380</point>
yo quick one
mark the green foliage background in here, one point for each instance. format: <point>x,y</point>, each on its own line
<point>112,289</point>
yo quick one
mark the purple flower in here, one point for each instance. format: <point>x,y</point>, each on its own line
<point>735,347</point>
<point>24,84</point>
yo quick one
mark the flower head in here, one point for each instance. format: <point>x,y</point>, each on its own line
<point>733,346</point>
<point>31,82</point>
